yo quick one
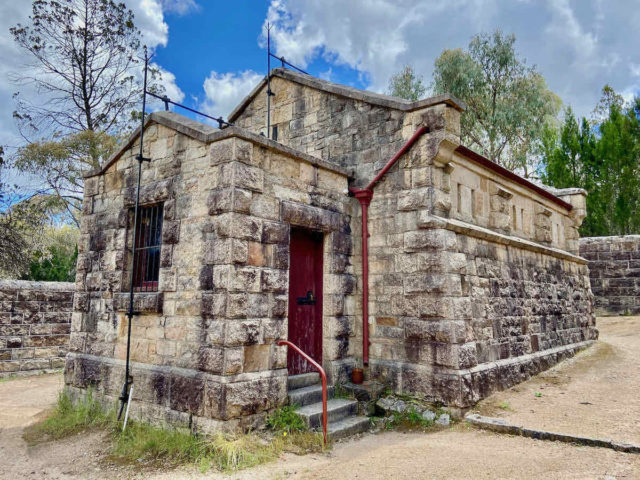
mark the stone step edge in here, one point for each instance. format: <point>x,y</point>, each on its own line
<point>337,409</point>
<point>347,427</point>
<point>500,425</point>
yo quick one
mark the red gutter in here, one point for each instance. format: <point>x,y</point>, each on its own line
<point>364,196</point>
<point>485,162</point>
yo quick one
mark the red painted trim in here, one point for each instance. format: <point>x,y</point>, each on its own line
<point>323,376</point>
<point>488,164</point>
<point>364,196</point>
<point>421,131</point>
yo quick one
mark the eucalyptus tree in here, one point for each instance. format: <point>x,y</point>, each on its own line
<point>508,102</point>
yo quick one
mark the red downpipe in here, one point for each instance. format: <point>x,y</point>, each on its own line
<point>364,196</point>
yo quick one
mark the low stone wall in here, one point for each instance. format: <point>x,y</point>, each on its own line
<point>614,269</point>
<point>35,323</point>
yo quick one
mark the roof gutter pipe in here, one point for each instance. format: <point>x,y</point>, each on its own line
<point>364,196</point>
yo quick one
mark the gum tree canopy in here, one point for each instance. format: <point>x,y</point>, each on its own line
<point>508,102</point>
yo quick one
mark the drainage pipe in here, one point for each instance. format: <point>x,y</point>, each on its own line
<point>364,196</point>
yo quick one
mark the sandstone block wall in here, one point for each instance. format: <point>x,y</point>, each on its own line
<point>35,322</point>
<point>614,270</point>
<point>462,304</point>
<point>475,283</point>
<point>204,347</point>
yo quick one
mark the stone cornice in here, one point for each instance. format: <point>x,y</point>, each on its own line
<point>427,220</point>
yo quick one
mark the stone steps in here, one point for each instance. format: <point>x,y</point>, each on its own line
<point>305,391</point>
<point>302,380</point>
<point>347,427</point>
<point>308,395</point>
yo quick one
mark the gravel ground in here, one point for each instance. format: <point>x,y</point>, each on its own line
<point>605,378</point>
<point>595,394</point>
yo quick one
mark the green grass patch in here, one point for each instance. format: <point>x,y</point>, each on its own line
<point>67,419</point>
<point>152,445</point>
<point>410,419</point>
<point>13,376</point>
<point>505,406</point>
<point>286,420</point>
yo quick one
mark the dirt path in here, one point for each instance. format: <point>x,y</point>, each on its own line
<point>596,393</point>
<point>607,377</point>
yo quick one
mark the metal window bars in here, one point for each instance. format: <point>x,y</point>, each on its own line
<point>148,246</point>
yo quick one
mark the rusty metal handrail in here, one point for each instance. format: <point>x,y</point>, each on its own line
<point>323,376</point>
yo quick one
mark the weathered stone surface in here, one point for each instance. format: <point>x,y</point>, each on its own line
<point>35,322</point>
<point>614,272</point>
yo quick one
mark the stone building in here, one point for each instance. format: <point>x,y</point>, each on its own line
<point>474,279</point>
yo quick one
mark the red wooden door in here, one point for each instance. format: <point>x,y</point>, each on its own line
<point>305,299</point>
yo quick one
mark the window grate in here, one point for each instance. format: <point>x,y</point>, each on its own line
<point>147,254</point>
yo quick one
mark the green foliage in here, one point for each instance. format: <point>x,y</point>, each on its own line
<point>22,223</point>
<point>406,84</point>
<point>409,419</point>
<point>56,266</point>
<point>339,391</point>
<point>56,260</point>
<point>508,102</point>
<point>603,157</point>
<point>285,419</point>
<point>59,165</point>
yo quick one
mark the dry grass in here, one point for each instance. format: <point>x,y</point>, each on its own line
<point>149,445</point>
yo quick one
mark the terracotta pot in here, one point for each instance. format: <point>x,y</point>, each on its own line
<point>357,376</point>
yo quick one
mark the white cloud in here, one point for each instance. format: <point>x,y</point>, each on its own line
<point>578,45</point>
<point>224,91</point>
<point>180,7</point>
<point>149,18</point>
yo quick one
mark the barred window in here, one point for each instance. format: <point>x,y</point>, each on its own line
<point>147,255</point>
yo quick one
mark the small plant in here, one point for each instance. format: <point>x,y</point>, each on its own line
<point>339,391</point>
<point>538,394</point>
<point>410,419</point>
<point>7,378</point>
<point>504,406</point>
<point>286,420</point>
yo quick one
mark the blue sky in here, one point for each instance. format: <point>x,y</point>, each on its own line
<point>212,53</point>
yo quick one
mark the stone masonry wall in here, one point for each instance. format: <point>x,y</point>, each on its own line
<point>460,310</point>
<point>475,283</point>
<point>204,347</point>
<point>35,322</point>
<point>614,269</point>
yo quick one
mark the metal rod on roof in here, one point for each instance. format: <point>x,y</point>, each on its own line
<point>167,100</point>
<point>285,62</point>
<point>268,80</point>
